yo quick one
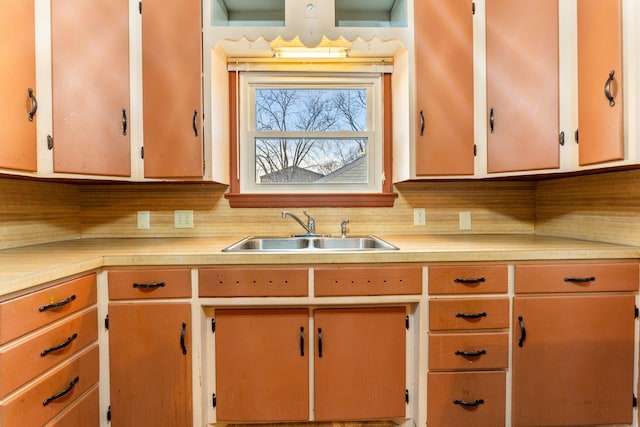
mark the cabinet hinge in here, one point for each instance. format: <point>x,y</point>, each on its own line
<point>49,142</point>
<point>142,153</point>
<point>140,7</point>
<point>109,413</point>
<point>214,401</point>
<point>406,395</point>
<point>475,150</point>
<point>106,322</point>
<point>636,312</point>
<point>473,8</point>
<point>562,138</point>
<point>406,321</point>
<point>213,326</point>
<point>635,401</point>
<point>575,136</point>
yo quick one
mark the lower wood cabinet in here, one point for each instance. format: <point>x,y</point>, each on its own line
<point>150,364</point>
<point>262,363</point>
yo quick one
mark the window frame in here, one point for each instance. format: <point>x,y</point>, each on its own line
<point>383,196</point>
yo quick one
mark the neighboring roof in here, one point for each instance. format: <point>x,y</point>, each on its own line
<point>351,173</point>
<point>291,174</point>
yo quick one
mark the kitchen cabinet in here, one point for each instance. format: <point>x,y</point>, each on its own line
<point>150,348</point>
<point>522,85</point>
<point>600,82</point>
<point>18,86</point>
<point>90,84</point>
<point>49,353</point>
<point>558,337</point>
<point>444,87</point>
<point>172,88</point>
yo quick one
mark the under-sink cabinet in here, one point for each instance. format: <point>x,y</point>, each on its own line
<point>150,348</point>
<point>49,356</point>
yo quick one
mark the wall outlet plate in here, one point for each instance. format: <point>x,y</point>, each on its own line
<point>419,216</point>
<point>144,220</point>
<point>182,219</point>
<point>465,220</point>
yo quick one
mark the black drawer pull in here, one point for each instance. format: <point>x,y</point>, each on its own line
<point>183,333</point>
<point>61,393</point>
<point>301,340</point>
<point>470,353</point>
<point>57,304</point>
<point>59,346</point>
<point>579,279</point>
<point>421,123</point>
<point>523,332</point>
<point>470,281</point>
<point>468,404</point>
<point>471,315</point>
<point>149,285</point>
<point>34,104</point>
<point>320,342</point>
<point>607,89</point>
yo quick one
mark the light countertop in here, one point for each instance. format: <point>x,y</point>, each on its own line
<point>29,266</point>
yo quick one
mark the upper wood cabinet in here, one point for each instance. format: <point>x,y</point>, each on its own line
<point>172,88</point>
<point>17,86</point>
<point>522,85</point>
<point>444,87</point>
<point>90,84</point>
<point>600,82</point>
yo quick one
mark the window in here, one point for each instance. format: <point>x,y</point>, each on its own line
<point>304,137</point>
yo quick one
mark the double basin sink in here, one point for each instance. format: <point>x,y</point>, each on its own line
<point>309,243</point>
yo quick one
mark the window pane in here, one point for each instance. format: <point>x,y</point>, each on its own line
<point>311,160</point>
<point>311,110</point>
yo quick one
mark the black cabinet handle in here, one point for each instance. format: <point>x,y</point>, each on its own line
<point>471,315</point>
<point>183,334</point>
<point>607,89</point>
<point>124,122</point>
<point>57,304</point>
<point>61,393</point>
<point>320,342</point>
<point>421,123</point>
<point>470,353</point>
<point>59,346</point>
<point>195,125</point>
<point>580,279</point>
<point>523,332</point>
<point>301,340</point>
<point>467,403</point>
<point>34,104</point>
<point>470,281</point>
<point>149,285</point>
<point>492,119</point>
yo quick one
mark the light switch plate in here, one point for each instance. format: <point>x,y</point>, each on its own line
<point>144,220</point>
<point>465,220</point>
<point>419,217</point>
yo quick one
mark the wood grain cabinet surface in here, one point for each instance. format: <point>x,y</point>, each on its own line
<point>467,279</point>
<point>152,283</point>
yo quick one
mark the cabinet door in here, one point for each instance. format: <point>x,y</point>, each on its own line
<point>522,85</point>
<point>90,72</point>
<point>444,87</point>
<point>172,88</point>
<point>18,71</point>
<point>150,364</point>
<point>360,363</point>
<point>575,365</point>
<point>600,120</point>
<point>262,364</point>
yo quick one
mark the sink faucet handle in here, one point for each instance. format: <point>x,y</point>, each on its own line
<point>311,223</point>
<point>343,227</point>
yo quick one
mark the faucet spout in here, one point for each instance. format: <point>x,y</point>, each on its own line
<point>310,227</point>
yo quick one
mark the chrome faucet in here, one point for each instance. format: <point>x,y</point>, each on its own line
<point>310,227</point>
<point>343,228</point>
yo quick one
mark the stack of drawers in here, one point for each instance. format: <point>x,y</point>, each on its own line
<point>468,345</point>
<point>49,356</point>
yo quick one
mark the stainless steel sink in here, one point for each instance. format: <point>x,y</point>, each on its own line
<point>309,243</point>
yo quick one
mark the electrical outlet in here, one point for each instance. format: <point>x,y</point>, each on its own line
<point>419,217</point>
<point>465,220</point>
<point>182,219</point>
<point>144,220</point>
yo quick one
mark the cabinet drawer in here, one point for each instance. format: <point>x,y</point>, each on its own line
<point>29,312</point>
<point>468,351</point>
<point>83,412</point>
<point>469,313</point>
<point>45,398</point>
<point>466,399</point>
<point>338,281</point>
<point>576,278</point>
<point>46,349</point>
<point>467,279</point>
<point>253,282</point>
<point>143,284</point>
